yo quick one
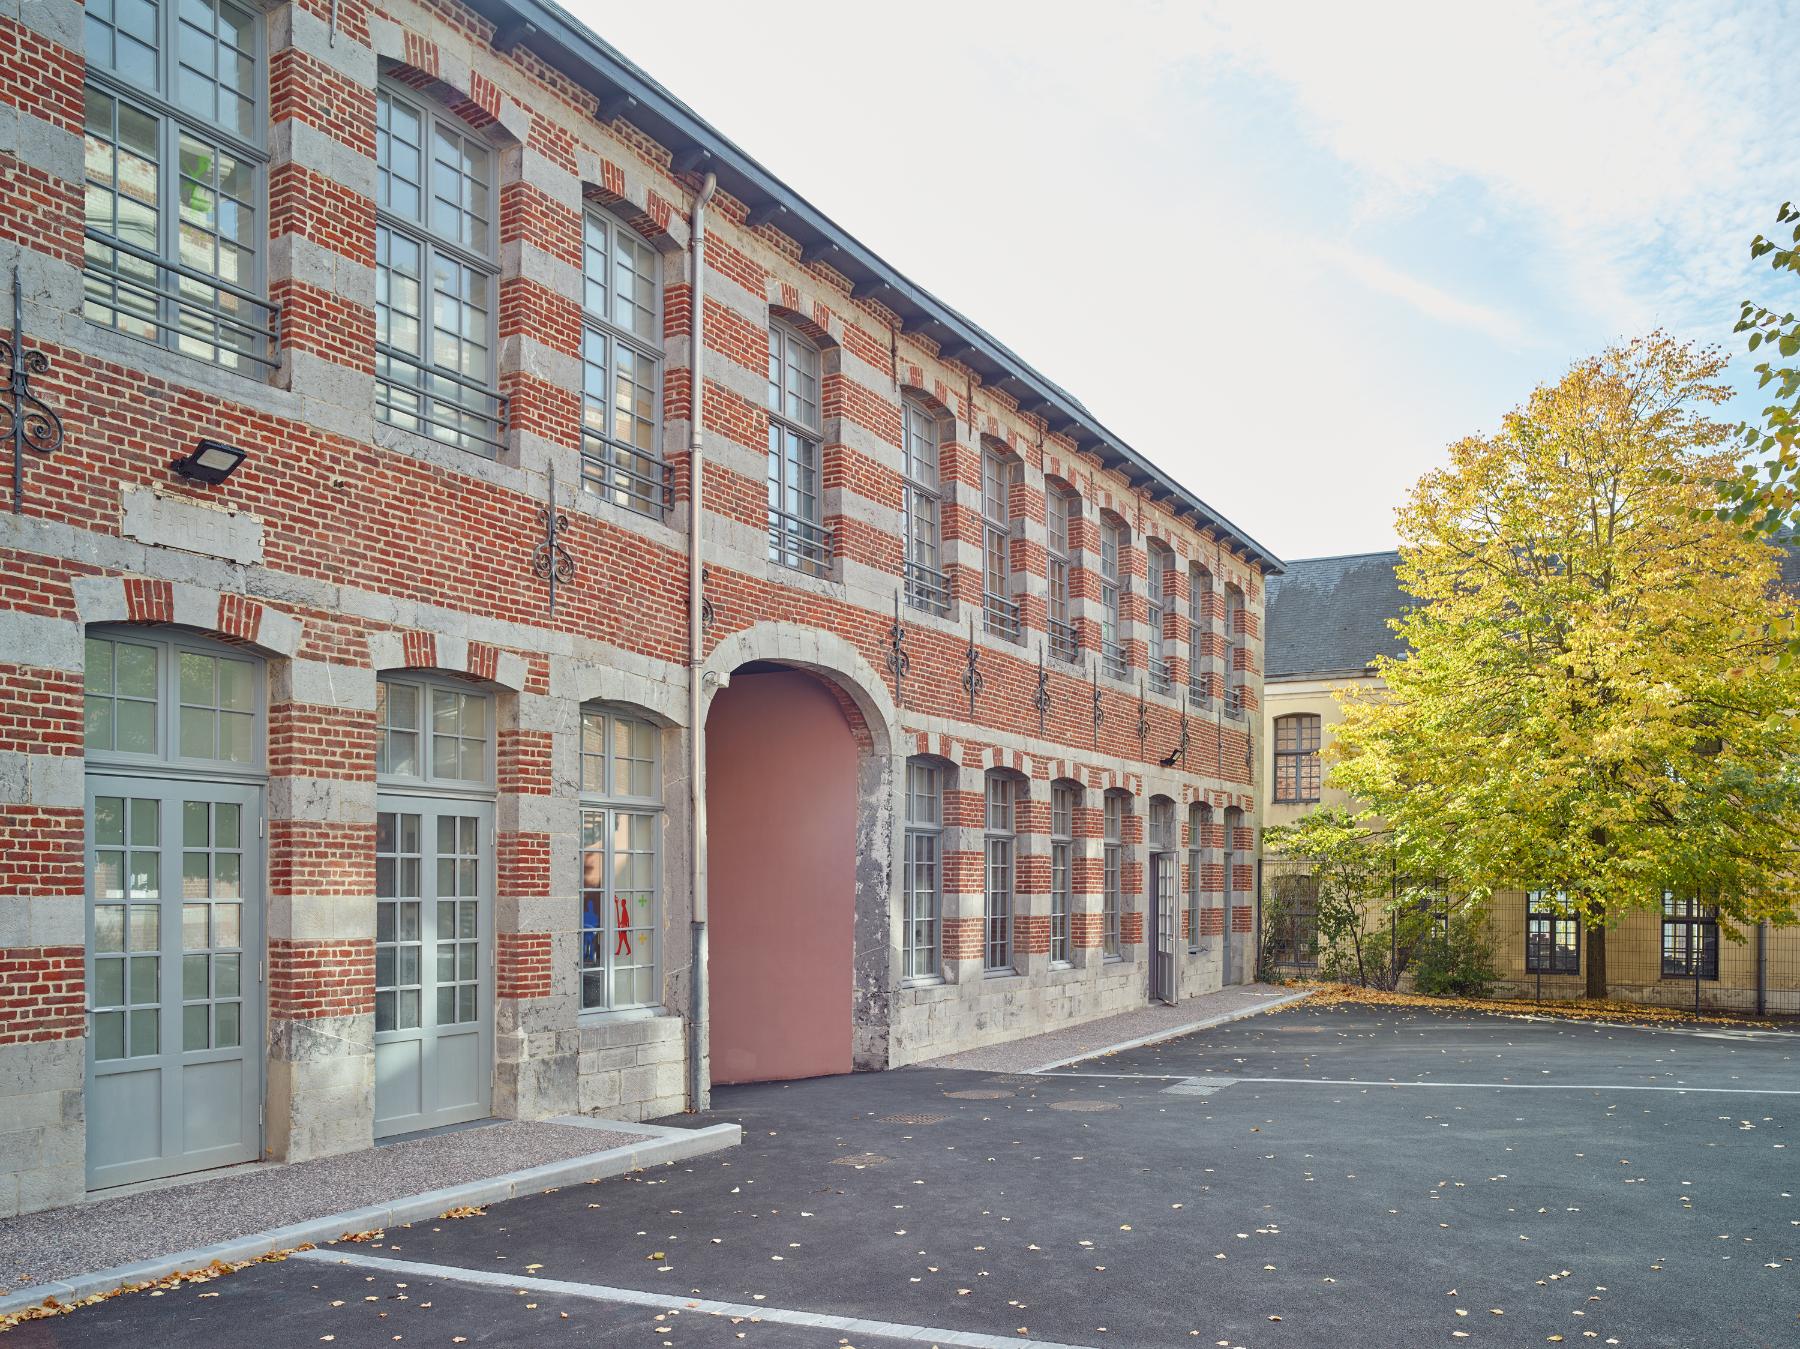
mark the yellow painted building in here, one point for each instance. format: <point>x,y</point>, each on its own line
<point>1326,622</point>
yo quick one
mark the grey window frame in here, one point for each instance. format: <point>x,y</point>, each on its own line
<point>613,804</point>
<point>480,426</point>
<point>627,475</point>
<point>1299,769</point>
<point>1234,684</point>
<point>1697,921</point>
<point>1000,878</point>
<point>1233,821</point>
<point>1065,798</point>
<point>1112,590</point>
<point>428,685</point>
<point>261,321</point>
<point>168,704</point>
<point>1000,612</point>
<point>1199,828</point>
<point>1158,567</point>
<point>1200,589</point>
<point>922,507</point>
<point>796,539</point>
<point>1112,853</point>
<point>1061,508</point>
<point>1545,918</point>
<point>922,962</point>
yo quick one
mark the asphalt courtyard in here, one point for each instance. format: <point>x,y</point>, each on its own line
<point>1310,1177</point>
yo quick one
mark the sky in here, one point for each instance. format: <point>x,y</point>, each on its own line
<point>1287,251</point>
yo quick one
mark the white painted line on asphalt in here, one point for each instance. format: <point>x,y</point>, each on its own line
<point>1222,1081</point>
<point>596,1292</point>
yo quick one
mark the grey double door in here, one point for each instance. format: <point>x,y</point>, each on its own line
<point>175,992</point>
<point>1165,921</point>
<point>434,916</point>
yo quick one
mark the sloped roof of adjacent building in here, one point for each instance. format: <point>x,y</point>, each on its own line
<point>1329,615</point>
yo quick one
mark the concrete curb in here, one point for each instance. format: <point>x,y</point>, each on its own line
<point>665,1145</point>
<point>1171,1033</point>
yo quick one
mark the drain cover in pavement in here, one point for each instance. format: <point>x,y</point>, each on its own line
<point>1012,1080</point>
<point>913,1119</point>
<point>978,1094</point>
<point>860,1160</point>
<point>1084,1105</point>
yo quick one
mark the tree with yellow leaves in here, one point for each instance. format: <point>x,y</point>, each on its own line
<point>1591,702</point>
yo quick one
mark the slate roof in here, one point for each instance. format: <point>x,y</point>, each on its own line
<point>1329,615</point>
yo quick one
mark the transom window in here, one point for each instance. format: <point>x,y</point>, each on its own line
<point>174,181</point>
<point>1113,864</point>
<point>1000,610</point>
<point>1063,797</point>
<point>1112,650</point>
<point>998,844</point>
<point>621,364</point>
<point>1059,507</point>
<point>1690,938</point>
<point>922,883</point>
<point>797,535</point>
<point>171,699</point>
<point>434,275</point>
<point>926,586</point>
<point>1199,633</point>
<point>621,882</point>
<point>427,731</point>
<point>1298,773</point>
<point>1157,563</point>
<point>1552,935</point>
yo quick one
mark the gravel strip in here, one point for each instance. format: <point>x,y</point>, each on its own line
<point>1093,1037</point>
<point>63,1242</point>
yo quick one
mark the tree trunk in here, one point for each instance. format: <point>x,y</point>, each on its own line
<point>1596,961</point>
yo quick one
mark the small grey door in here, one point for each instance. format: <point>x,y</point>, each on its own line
<point>1164,923</point>
<point>433,962</point>
<point>174,922</point>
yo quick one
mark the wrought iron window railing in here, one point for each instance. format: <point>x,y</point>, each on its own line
<point>1001,616</point>
<point>1160,679</point>
<point>1112,660</point>
<point>627,476</point>
<point>1234,702</point>
<point>438,403</point>
<point>799,543</point>
<point>192,307</point>
<point>1200,689</point>
<point>927,588</point>
<point>1063,643</point>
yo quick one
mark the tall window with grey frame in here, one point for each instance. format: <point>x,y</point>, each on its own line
<point>926,586</point>
<point>1156,578</point>
<point>434,275</point>
<point>1113,865</point>
<point>1063,796</point>
<point>1000,610</point>
<point>922,883</point>
<point>621,367</point>
<point>1002,792</point>
<point>621,819</point>
<point>1059,507</point>
<point>1112,649</point>
<point>175,179</point>
<point>797,536</point>
<point>1199,634</point>
<point>1199,839</point>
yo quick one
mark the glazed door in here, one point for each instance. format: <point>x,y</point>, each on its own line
<point>1165,926</point>
<point>174,976</point>
<point>434,940</point>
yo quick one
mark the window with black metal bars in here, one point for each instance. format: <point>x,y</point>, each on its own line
<point>927,586</point>
<point>1059,507</point>
<point>1063,799</point>
<point>1000,611</point>
<point>1156,578</point>
<point>1112,648</point>
<point>622,368</point>
<point>797,535</point>
<point>1552,934</point>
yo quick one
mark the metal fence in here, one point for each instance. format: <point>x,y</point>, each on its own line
<point>1677,956</point>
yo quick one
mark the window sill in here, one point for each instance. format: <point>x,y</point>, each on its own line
<point>608,1016</point>
<point>1002,974</point>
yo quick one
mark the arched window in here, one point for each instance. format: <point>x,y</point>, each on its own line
<point>998,844</point>
<point>1112,649</point>
<point>1159,563</point>
<point>1200,684</point>
<point>1060,507</point>
<point>1113,867</point>
<point>922,883</point>
<point>926,585</point>
<point>1064,797</point>
<point>1298,773</point>
<point>1199,840</point>
<point>434,274</point>
<point>797,535</point>
<point>1000,610</point>
<point>621,360</point>
<point>621,880</point>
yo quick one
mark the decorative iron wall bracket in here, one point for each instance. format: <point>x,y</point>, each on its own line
<point>898,661</point>
<point>550,561</point>
<point>25,419</point>
<point>1041,699</point>
<point>972,681</point>
<point>1143,721</point>
<point>1099,716</point>
<point>1178,755</point>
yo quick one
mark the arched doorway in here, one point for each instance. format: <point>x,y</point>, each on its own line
<point>781,801</point>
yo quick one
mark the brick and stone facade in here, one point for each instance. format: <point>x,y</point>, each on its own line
<point>345,549</point>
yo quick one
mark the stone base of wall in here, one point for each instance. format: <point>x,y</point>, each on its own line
<point>43,1142</point>
<point>632,1069</point>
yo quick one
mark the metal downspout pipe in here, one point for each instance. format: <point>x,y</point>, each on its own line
<point>699,1093</point>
